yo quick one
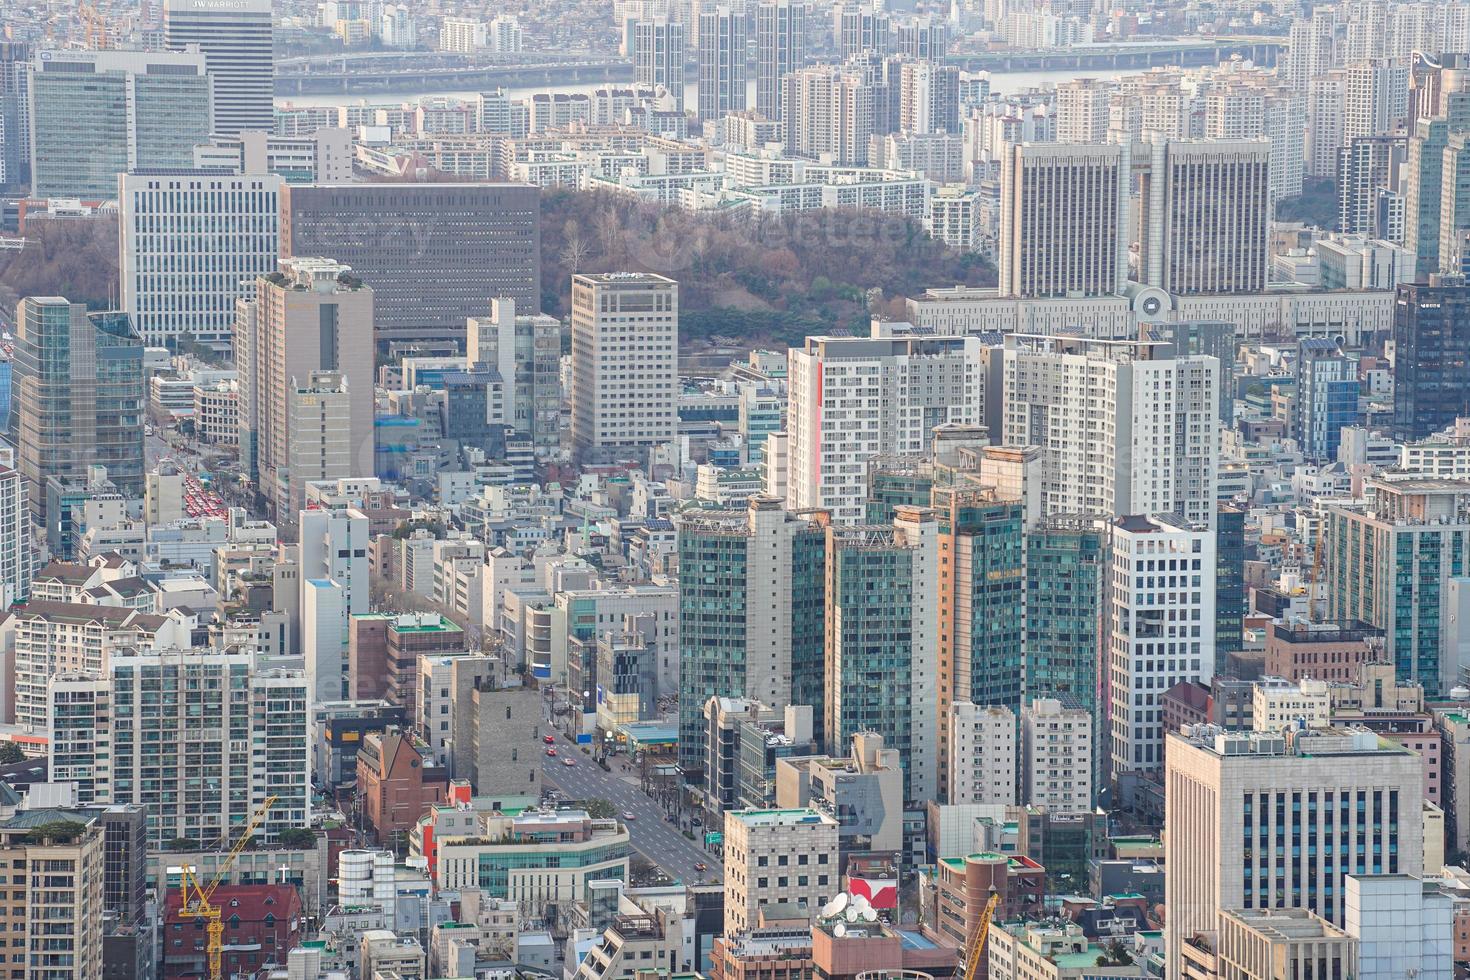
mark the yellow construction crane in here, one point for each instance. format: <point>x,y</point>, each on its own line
<point>197,898</point>
<point>977,945</point>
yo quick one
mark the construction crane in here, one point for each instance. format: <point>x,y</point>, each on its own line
<point>982,933</point>
<point>197,898</point>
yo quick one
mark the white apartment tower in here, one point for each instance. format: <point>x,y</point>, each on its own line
<point>1160,622</point>
<point>982,762</point>
<point>828,113</point>
<point>235,36</point>
<point>780,49</point>
<point>625,362</point>
<point>658,55</point>
<point>1375,99</point>
<point>722,61</point>
<point>17,555</point>
<point>1125,429</point>
<point>319,413</point>
<point>850,399</point>
<point>1063,220</point>
<point>1083,110</point>
<point>1263,820</point>
<point>191,246</point>
<point>1057,753</point>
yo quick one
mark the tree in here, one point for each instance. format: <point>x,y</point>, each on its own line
<point>183,844</point>
<point>601,809</point>
<point>298,838</point>
<point>10,754</point>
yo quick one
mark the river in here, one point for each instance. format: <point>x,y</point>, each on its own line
<point>1002,82</point>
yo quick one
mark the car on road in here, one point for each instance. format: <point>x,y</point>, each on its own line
<point>569,762</point>
<point>701,867</point>
<point>549,739</point>
<point>629,815</point>
<point>551,752</point>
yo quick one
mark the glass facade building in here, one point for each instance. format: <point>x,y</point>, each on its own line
<point>1064,580</point>
<point>1431,368</point>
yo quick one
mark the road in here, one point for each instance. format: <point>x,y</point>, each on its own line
<point>653,836</point>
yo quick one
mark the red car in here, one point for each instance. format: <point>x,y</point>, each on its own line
<point>551,752</point>
<point>549,739</point>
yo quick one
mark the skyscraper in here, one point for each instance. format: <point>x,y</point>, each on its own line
<point>751,606</point>
<point>78,396</point>
<point>1431,370</point>
<point>235,36</point>
<point>1327,396</point>
<point>827,113</point>
<point>1365,166</point>
<point>882,640</point>
<point>929,97</point>
<point>1063,220</point>
<point>1423,186</point>
<point>658,55</point>
<point>1066,558</point>
<point>433,254</point>
<point>860,28</point>
<point>780,48</point>
<point>1376,100</point>
<point>17,555</point>
<point>1160,631</point>
<point>313,315</point>
<point>526,352</point>
<point>1127,427</point>
<point>168,224</point>
<point>1237,803</point>
<point>96,114</point>
<point>981,611</point>
<point>722,60</point>
<point>625,362</point>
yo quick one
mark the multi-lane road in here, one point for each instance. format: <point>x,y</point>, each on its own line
<point>652,836</point>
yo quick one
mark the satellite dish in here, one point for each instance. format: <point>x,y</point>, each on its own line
<point>837,904</point>
<point>830,909</point>
<point>870,914</point>
<point>839,930</point>
<point>852,913</point>
<point>860,902</point>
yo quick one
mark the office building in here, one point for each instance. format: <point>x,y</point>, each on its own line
<point>1065,561</point>
<point>1389,564</point>
<point>525,351</point>
<point>314,315</point>
<point>658,56</point>
<point>828,113</point>
<point>1424,189</point>
<point>1263,944</point>
<point>981,766</point>
<point>1160,632</point>
<point>333,545</point>
<point>77,397</point>
<point>1431,370</point>
<point>191,246</point>
<point>780,49</point>
<point>96,114</point>
<point>625,371</point>
<point>55,919</point>
<point>235,38</point>
<point>1057,755</point>
<point>882,640</point>
<point>1326,397</point>
<point>433,254</point>
<point>1366,166</point>
<point>834,431</point>
<point>119,755</point>
<point>722,60</point>
<point>1063,224</point>
<point>319,420</point>
<point>777,857</point>
<point>1236,802</point>
<point>1230,588</point>
<point>981,610</point>
<point>751,607</point>
<point>536,856</point>
<point>1127,427</point>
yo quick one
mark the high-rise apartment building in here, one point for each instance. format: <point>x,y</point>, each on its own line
<point>625,362</point>
<point>235,36</point>
<point>525,350</point>
<point>1389,564</point>
<point>1325,96</point>
<point>1265,820</point>
<point>53,909</point>
<point>434,254</point>
<point>925,37</point>
<point>1126,427</point>
<point>981,765</point>
<point>780,49</point>
<point>313,315</point>
<point>1083,110</point>
<point>1431,370</point>
<point>860,28</point>
<point>1376,99</point>
<point>134,735</point>
<point>658,55</point>
<point>751,607</point>
<point>828,113</point>
<point>929,98</point>
<point>1063,226</point>
<point>722,60</point>
<point>96,114</point>
<point>1057,753</point>
<point>77,396</point>
<point>1365,167</point>
<point>191,246</point>
<point>851,399</point>
<point>1160,631</point>
<point>981,609</point>
<point>882,640</point>
<point>1206,213</point>
<point>17,555</point>
<point>1424,183</point>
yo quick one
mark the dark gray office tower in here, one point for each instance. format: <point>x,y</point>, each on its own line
<point>77,396</point>
<point>1431,368</point>
<point>433,254</point>
<point>127,941</point>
